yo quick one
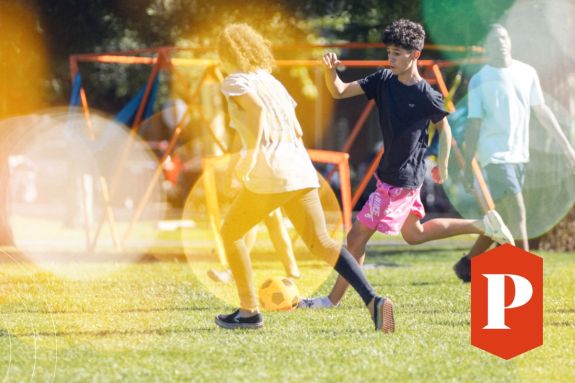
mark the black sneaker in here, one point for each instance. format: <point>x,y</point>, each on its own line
<point>383,315</point>
<point>233,321</point>
<point>463,269</point>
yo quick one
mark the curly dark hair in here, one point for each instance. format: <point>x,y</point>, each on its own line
<point>405,34</point>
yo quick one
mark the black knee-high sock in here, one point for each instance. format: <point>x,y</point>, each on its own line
<point>352,272</point>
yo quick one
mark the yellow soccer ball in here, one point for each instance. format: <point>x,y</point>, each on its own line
<point>279,293</point>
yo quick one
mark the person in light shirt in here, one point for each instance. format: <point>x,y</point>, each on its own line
<point>501,97</point>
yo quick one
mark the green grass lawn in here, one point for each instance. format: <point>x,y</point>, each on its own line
<point>154,322</point>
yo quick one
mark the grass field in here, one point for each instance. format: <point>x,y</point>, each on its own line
<point>153,322</point>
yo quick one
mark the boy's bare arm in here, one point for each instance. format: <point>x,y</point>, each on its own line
<point>337,88</point>
<point>445,137</point>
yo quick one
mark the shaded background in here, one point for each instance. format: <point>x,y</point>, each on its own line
<point>39,36</point>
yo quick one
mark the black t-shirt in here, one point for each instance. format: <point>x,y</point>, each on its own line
<point>404,115</point>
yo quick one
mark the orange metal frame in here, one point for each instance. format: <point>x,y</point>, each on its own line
<point>160,58</point>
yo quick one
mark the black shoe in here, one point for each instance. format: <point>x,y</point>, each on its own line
<point>233,321</point>
<point>383,315</point>
<point>463,269</point>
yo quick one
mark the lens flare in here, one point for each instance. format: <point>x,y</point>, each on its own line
<point>84,194</point>
<point>25,336</point>
<point>563,32</point>
<point>23,68</point>
<point>549,188</point>
<point>207,205</point>
<point>538,37</point>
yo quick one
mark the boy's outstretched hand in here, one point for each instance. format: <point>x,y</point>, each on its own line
<point>439,174</point>
<point>330,60</point>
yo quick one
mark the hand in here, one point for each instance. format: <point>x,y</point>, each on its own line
<point>439,174</point>
<point>330,61</point>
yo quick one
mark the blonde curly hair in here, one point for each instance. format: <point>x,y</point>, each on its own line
<point>241,45</point>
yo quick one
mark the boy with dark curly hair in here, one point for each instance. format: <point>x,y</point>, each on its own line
<point>406,105</point>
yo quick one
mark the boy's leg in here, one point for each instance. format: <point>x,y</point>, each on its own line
<point>513,212</point>
<point>414,232</point>
<point>357,239</point>
<point>372,217</point>
<point>282,242</point>
<point>307,216</point>
<point>512,208</point>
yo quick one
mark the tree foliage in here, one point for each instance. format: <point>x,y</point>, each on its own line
<point>76,26</point>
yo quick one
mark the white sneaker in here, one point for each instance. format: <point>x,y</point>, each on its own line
<point>315,303</point>
<point>224,276</point>
<point>496,229</point>
<point>292,271</point>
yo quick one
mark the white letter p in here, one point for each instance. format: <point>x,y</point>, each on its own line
<point>496,298</point>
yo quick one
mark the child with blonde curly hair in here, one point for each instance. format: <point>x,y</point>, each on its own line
<point>276,171</point>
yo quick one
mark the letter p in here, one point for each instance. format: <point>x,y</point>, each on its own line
<point>496,298</point>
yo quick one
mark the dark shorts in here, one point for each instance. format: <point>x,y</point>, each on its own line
<point>505,179</point>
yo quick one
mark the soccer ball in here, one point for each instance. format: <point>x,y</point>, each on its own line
<point>279,293</point>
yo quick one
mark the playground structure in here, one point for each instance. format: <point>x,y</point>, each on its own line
<point>165,59</point>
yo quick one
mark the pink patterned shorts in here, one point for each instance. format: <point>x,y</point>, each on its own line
<point>388,207</point>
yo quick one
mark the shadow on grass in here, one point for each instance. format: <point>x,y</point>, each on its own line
<point>560,324</point>
<point>561,311</point>
<point>167,309</point>
<point>460,323</point>
<point>379,250</point>
<point>415,310</point>
<point>104,333</point>
<point>428,283</point>
<point>383,265</point>
<point>387,284</point>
